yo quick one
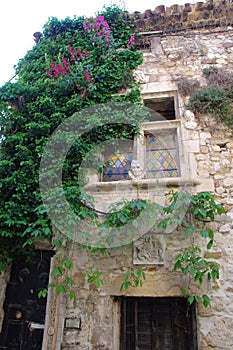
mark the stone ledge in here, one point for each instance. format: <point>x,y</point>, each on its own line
<point>168,182</point>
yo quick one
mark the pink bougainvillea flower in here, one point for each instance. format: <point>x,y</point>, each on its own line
<point>79,52</point>
<point>70,49</point>
<point>99,20</point>
<point>48,72</point>
<point>85,26</point>
<point>86,53</point>
<point>131,41</point>
<point>87,76</point>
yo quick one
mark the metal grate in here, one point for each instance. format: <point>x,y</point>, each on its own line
<point>157,323</point>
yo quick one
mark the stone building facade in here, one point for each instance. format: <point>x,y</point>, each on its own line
<point>177,44</point>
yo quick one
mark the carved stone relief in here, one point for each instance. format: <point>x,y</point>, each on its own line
<point>140,77</point>
<point>189,120</point>
<point>149,250</point>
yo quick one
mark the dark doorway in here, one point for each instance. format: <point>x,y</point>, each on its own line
<point>157,323</point>
<point>23,324</point>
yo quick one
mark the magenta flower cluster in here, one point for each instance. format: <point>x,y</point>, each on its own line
<point>77,55</point>
<point>61,70</point>
<point>131,41</point>
<point>101,28</point>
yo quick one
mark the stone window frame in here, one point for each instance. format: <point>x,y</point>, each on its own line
<point>186,175</point>
<point>165,125</point>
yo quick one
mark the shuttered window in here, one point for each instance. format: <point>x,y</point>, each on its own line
<point>157,324</point>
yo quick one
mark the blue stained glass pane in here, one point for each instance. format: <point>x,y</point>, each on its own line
<point>118,163</point>
<point>161,160</point>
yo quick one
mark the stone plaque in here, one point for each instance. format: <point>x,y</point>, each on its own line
<point>149,250</point>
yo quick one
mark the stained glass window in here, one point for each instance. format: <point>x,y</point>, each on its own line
<point>118,164</point>
<point>161,154</point>
<point>161,158</point>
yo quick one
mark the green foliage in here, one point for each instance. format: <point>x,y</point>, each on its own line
<point>124,212</point>
<point>133,279</point>
<point>65,27</point>
<point>43,293</point>
<point>212,100</point>
<point>204,206</point>
<point>190,262</point>
<point>122,27</point>
<point>196,298</point>
<point>202,210</point>
<point>216,98</point>
<point>61,280</point>
<point>93,277</point>
<point>207,72</point>
<point>33,107</point>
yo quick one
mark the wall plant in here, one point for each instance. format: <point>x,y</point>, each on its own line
<point>216,98</point>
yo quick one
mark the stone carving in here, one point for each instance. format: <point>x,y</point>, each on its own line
<point>148,250</point>
<point>141,137</point>
<point>140,77</point>
<point>189,120</point>
<point>137,170</point>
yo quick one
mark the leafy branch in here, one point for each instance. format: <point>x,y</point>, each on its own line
<point>93,277</point>
<point>133,279</point>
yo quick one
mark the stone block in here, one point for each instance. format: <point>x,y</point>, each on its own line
<point>191,146</point>
<point>220,334</point>
<point>228,182</point>
<point>205,185</point>
<point>225,228</point>
<point>149,250</point>
<point>73,323</point>
<point>205,135</point>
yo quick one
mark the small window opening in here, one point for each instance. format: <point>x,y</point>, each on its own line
<point>163,106</point>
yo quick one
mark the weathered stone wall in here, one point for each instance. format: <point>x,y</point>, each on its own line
<point>93,322</point>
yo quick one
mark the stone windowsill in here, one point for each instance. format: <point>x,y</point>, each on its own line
<point>168,182</point>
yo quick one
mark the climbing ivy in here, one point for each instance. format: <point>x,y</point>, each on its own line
<point>76,63</point>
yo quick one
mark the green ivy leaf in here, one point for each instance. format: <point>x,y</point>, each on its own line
<point>206,300</point>
<point>191,299</point>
